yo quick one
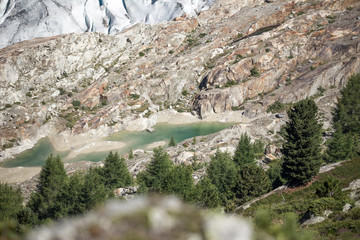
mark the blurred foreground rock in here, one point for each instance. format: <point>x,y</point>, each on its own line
<point>147,218</point>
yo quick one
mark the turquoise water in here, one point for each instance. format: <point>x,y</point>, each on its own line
<point>134,140</point>
<point>34,157</point>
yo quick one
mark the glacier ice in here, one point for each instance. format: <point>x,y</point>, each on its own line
<point>27,19</point>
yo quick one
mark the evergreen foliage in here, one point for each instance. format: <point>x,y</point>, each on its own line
<point>52,180</point>
<point>131,154</point>
<point>252,181</point>
<point>172,142</point>
<point>179,182</point>
<point>340,147</point>
<point>207,194</point>
<point>274,175</point>
<point>153,178</point>
<point>93,191</point>
<point>10,202</point>
<point>222,173</point>
<point>115,173</point>
<point>244,153</point>
<point>68,200</point>
<point>347,109</point>
<point>346,123</point>
<point>302,158</point>
<point>329,188</point>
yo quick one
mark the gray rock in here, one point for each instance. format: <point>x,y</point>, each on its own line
<point>314,220</point>
<point>147,218</point>
<point>347,207</point>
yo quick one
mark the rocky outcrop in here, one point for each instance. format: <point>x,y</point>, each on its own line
<point>237,56</point>
<point>144,218</point>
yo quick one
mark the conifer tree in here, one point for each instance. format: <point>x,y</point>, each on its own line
<point>10,202</point>
<point>207,194</point>
<point>346,123</point>
<point>115,173</point>
<point>222,173</point>
<point>172,142</point>
<point>347,111</point>
<point>179,182</point>
<point>244,153</point>
<point>153,178</point>
<point>52,179</point>
<point>251,181</point>
<point>93,191</point>
<point>302,157</point>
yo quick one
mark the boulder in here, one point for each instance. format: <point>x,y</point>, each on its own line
<point>147,218</point>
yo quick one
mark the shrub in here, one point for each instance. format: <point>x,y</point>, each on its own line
<point>76,103</point>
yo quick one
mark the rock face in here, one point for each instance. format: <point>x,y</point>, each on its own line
<point>238,56</point>
<point>142,218</point>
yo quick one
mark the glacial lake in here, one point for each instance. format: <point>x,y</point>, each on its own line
<point>133,140</point>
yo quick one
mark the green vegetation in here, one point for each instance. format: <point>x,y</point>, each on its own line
<point>255,72</point>
<point>131,154</point>
<point>222,173</point>
<point>76,103</point>
<point>277,107</point>
<point>302,159</point>
<point>244,154</point>
<point>172,142</point>
<point>346,123</point>
<point>10,202</point>
<point>324,194</point>
<point>115,173</point>
<point>185,92</point>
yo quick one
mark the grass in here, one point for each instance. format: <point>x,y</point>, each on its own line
<point>299,200</point>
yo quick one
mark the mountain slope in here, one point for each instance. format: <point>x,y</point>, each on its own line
<point>229,63</point>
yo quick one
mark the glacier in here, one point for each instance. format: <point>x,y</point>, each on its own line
<point>27,19</point>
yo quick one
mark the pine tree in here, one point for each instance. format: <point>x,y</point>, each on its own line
<point>222,173</point>
<point>172,142</point>
<point>302,157</point>
<point>244,153</point>
<point>10,202</point>
<point>154,177</point>
<point>52,179</point>
<point>115,173</point>
<point>251,181</point>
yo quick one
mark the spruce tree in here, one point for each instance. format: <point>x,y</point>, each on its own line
<point>244,153</point>
<point>93,191</point>
<point>179,182</point>
<point>172,142</point>
<point>153,178</point>
<point>347,111</point>
<point>222,173</point>
<point>10,202</point>
<point>346,123</point>
<point>115,172</point>
<point>52,179</point>
<point>301,150</point>
<point>251,181</point>
<point>207,194</point>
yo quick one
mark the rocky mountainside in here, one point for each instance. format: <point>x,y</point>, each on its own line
<point>230,63</point>
<point>23,20</point>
